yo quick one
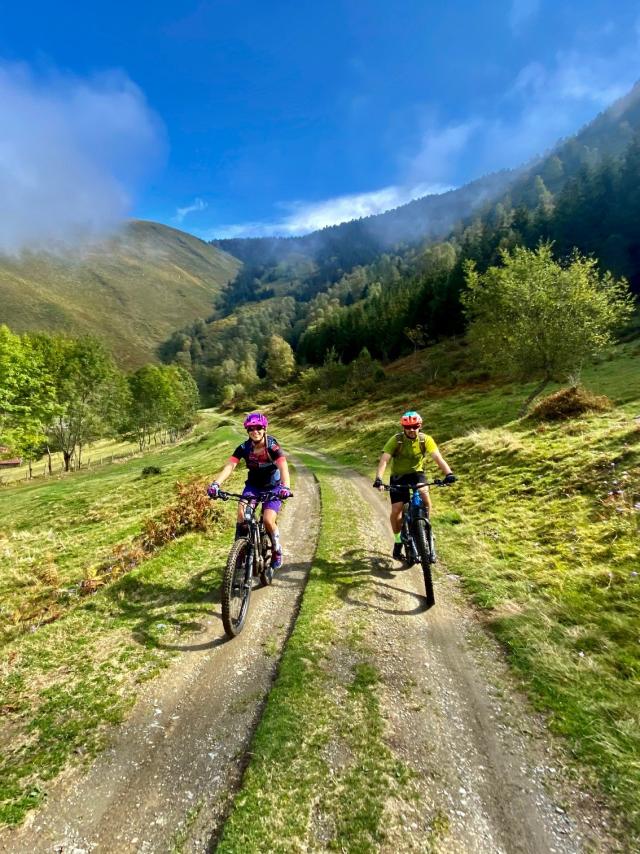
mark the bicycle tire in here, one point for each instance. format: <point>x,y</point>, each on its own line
<point>236,593</point>
<point>421,538</point>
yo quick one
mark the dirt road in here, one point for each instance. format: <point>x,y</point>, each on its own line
<point>167,775</point>
<point>482,761</point>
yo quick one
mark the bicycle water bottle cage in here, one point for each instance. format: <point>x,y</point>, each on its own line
<point>418,510</point>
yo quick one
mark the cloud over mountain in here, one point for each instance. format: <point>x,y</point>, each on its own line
<point>72,152</point>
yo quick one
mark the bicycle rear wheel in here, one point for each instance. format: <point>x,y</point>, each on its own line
<point>421,537</point>
<point>236,588</point>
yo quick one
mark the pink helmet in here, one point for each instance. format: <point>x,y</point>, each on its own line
<point>256,419</point>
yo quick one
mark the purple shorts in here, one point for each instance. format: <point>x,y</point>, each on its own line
<point>254,492</point>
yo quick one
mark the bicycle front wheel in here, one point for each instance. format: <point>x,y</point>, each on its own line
<point>421,537</point>
<point>236,588</point>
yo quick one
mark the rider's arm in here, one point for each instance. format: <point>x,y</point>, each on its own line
<point>382,464</point>
<point>226,471</point>
<point>282,464</point>
<point>442,463</point>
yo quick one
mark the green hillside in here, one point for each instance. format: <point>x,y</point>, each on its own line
<point>132,291</point>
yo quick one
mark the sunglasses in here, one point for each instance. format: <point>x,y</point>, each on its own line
<point>406,427</point>
<point>255,429</point>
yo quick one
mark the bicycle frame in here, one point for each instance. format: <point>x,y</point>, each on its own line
<point>257,558</point>
<point>416,534</point>
<point>250,556</point>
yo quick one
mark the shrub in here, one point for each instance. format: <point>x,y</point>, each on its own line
<point>569,403</point>
<point>147,471</point>
<point>191,512</point>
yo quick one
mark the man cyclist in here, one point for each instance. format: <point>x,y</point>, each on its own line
<point>408,452</point>
<point>267,472</point>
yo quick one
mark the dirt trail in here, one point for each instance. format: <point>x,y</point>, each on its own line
<point>165,780</point>
<point>482,762</point>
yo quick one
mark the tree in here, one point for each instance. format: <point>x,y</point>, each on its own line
<point>27,398</point>
<point>280,364</point>
<point>533,317</point>
<point>88,393</point>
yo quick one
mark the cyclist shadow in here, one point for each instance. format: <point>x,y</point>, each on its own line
<point>365,566</point>
<point>152,608</point>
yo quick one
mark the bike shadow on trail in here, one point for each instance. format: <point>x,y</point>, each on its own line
<point>363,569</point>
<point>151,609</point>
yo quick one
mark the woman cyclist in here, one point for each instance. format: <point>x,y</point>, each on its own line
<point>267,472</point>
<point>408,452</point>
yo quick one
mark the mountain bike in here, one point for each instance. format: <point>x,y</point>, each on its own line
<point>249,558</point>
<point>417,536</point>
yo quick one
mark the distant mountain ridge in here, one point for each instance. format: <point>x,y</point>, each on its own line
<point>433,217</point>
<point>132,290</point>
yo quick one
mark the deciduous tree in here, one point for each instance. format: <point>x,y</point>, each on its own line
<point>534,317</point>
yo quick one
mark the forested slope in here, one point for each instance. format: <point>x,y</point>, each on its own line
<point>387,284</point>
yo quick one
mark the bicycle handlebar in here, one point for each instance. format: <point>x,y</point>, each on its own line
<point>386,487</point>
<point>265,496</point>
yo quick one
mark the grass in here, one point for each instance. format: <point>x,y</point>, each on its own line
<point>98,453</point>
<point>63,683</point>
<point>320,773</point>
<point>543,527</point>
<point>133,291</point>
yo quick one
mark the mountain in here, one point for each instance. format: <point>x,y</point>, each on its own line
<point>334,250</point>
<point>360,241</point>
<point>132,290</point>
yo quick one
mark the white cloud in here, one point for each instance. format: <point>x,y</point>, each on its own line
<point>72,152</point>
<point>521,13</point>
<point>196,205</point>
<point>439,150</point>
<point>542,105</point>
<point>304,217</point>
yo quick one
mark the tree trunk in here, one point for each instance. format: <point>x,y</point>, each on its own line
<point>49,462</point>
<point>67,460</point>
<point>537,390</point>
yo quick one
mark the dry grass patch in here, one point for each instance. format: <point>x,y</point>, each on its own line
<point>568,403</point>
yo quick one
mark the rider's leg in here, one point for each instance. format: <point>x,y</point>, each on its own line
<point>270,518</point>
<point>396,527</point>
<point>240,526</point>
<point>426,498</point>
<point>396,517</point>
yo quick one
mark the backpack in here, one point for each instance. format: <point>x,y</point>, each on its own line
<point>269,441</point>
<point>400,439</point>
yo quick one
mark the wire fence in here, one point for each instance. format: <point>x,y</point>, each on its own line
<point>41,469</point>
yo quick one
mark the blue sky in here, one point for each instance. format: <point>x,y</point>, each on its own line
<point>227,118</point>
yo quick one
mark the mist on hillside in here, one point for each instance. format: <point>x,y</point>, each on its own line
<point>72,154</point>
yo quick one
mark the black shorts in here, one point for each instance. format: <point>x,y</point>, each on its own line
<point>400,484</point>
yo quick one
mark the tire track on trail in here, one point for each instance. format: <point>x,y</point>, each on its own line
<point>168,775</point>
<point>490,775</point>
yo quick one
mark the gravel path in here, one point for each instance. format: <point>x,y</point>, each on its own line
<point>165,780</point>
<point>486,767</point>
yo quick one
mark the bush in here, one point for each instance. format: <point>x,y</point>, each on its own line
<point>569,403</point>
<point>192,511</point>
<point>147,471</point>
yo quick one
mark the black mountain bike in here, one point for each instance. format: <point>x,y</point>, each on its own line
<point>417,536</point>
<point>249,558</point>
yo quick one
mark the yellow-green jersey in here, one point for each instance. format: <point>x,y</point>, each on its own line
<point>409,456</point>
